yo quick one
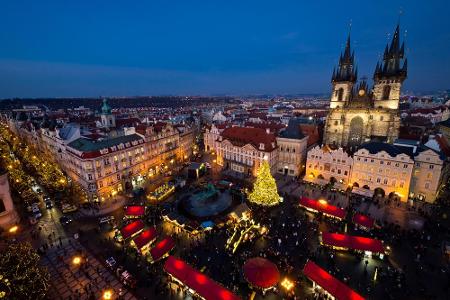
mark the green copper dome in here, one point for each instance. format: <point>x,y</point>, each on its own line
<point>106,109</point>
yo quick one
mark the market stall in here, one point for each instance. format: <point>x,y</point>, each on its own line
<point>161,249</point>
<point>328,283</point>
<point>145,239</point>
<point>323,207</point>
<point>261,273</point>
<point>129,230</point>
<point>363,222</point>
<point>195,282</point>
<point>161,192</point>
<point>348,242</point>
<point>134,211</point>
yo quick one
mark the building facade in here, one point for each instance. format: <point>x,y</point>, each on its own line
<point>242,149</point>
<point>383,169</point>
<point>325,165</point>
<point>359,114</point>
<point>106,167</point>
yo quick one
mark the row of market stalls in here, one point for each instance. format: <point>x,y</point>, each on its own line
<point>143,239</point>
<point>339,213</point>
<point>333,287</point>
<point>196,282</point>
<point>339,241</point>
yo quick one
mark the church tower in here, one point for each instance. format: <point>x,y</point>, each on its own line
<point>108,119</point>
<point>343,78</point>
<point>390,74</point>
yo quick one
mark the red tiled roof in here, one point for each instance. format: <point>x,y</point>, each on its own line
<point>329,283</point>
<point>323,207</point>
<point>131,229</point>
<point>200,283</point>
<point>272,126</point>
<point>352,242</point>
<point>241,136</point>
<point>145,237</point>
<point>162,248</point>
<point>135,210</point>
<point>127,122</point>
<point>363,220</point>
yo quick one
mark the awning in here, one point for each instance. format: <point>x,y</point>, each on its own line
<point>145,237</point>
<point>329,283</point>
<point>352,242</point>
<point>363,220</point>
<point>200,283</point>
<point>323,206</point>
<point>135,211</point>
<point>131,229</point>
<point>162,248</point>
<point>261,272</point>
<point>363,192</point>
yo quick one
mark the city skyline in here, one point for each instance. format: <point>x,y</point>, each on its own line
<point>153,49</point>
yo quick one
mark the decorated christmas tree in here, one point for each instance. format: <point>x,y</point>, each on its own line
<point>265,190</point>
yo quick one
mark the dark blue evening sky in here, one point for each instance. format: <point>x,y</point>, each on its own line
<point>93,48</point>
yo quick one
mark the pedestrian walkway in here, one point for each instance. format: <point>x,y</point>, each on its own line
<point>87,280</point>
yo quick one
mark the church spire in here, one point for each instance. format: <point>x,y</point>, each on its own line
<point>393,56</point>
<point>346,67</point>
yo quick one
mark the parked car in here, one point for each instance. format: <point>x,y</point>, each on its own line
<point>126,278</point>
<point>68,208</point>
<point>105,219</point>
<point>65,220</point>
<point>37,214</point>
<point>111,263</point>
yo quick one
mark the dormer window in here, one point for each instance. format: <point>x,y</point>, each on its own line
<point>261,146</point>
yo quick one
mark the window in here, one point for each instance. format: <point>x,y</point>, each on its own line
<point>385,181</point>
<point>89,176</point>
<point>340,94</point>
<point>345,172</point>
<point>381,162</point>
<point>402,184</point>
<point>405,166</point>
<point>427,185</point>
<point>381,118</point>
<point>431,167</point>
<point>336,123</point>
<point>118,176</point>
<point>378,180</point>
<point>386,92</point>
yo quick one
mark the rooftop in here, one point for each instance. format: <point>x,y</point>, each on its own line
<point>92,148</point>
<point>241,136</point>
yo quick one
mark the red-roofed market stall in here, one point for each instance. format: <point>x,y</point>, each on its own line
<point>323,207</point>
<point>261,273</point>
<point>196,281</point>
<point>346,242</point>
<point>332,286</point>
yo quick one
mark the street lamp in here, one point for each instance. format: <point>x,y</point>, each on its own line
<point>287,284</point>
<point>13,229</point>
<point>107,295</point>
<point>76,260</point>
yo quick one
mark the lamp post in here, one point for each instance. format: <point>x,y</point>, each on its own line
<point>76,260</point>
<point>107,294</point>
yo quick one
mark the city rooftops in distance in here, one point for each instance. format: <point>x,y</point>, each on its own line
<point>86,148</point>
<point>240,136</point>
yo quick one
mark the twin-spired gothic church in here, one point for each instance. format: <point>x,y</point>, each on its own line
<point>359,114</point>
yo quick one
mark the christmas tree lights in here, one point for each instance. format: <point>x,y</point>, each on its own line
<point>265,191</point>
